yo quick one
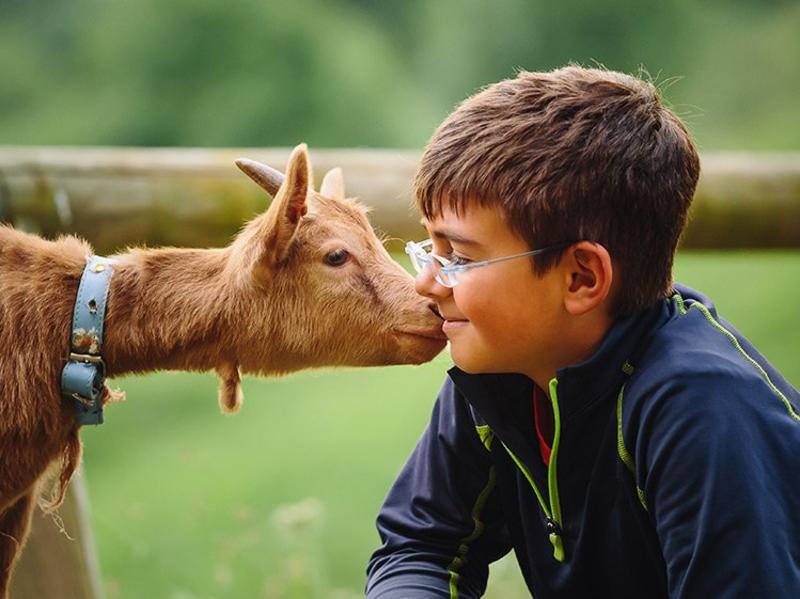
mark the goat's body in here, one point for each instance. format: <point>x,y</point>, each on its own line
<point>38,282</point>
<point>164,327</point>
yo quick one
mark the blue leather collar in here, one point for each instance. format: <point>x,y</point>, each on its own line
<point>84,374</point>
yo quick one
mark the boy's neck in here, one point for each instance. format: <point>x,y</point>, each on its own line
<point>577,342</point>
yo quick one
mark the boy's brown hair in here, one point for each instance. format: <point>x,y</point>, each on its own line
<point>573,154</point>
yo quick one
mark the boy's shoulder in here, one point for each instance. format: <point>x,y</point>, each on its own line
<point>698,364</point>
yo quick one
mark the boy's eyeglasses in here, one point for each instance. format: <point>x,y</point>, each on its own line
<point>447,271</point>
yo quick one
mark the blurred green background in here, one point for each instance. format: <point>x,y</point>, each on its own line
<point>344,73</point>
<point>280,500</point>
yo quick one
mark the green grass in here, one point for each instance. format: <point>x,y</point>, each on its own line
<point>186,503</point>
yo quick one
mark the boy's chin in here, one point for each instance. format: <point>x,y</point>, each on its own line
<point>472,364</point>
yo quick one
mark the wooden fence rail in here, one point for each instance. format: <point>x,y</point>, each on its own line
<point>196,197</point>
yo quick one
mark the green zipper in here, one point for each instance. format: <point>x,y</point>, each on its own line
<point>553,511</point>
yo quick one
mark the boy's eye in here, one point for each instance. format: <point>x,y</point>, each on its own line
<point>457,260</point>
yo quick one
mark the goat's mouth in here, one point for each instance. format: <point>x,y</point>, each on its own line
<point>418,345</point>
<point>434,334</point>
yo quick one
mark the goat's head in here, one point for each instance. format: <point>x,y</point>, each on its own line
<point>316,287</point>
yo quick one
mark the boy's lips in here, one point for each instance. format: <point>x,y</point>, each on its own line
<point>451,324</point>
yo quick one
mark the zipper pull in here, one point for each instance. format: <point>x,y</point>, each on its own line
<point>554,534</point>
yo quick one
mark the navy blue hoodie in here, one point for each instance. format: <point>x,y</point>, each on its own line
<point>675,472</point>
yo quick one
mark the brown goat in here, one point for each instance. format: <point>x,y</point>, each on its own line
<point>305,284</point>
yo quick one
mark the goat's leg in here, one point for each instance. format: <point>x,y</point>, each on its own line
<point>14,526</point>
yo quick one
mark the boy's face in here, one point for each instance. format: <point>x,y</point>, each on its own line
<point>499,317</point>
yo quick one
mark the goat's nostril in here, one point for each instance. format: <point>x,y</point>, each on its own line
<point>435,309</point>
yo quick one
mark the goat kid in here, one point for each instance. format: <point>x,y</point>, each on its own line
<point>305,284</point>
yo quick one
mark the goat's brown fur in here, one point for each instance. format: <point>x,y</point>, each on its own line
<point>266,304</point>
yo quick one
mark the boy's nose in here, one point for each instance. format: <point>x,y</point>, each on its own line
<point>426,284</point>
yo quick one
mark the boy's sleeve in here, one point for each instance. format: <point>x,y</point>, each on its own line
<point>718,465</point>
<point>441,523</point>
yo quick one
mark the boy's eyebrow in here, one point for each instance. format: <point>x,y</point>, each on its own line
<point>451,236</point>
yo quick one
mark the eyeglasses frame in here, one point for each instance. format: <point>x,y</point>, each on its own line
<point>418,254</point>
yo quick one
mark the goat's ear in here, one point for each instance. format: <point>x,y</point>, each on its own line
<point>288,207</point>
<point>265,242</point>
<point>333,184</point>
<point>230,391</point>
<point>289,204</point>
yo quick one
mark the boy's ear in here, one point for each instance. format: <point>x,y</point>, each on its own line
<point>269,237</point>
<point>333,184</point>
<point>589,274</point>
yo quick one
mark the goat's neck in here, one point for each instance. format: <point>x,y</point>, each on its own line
<point>166,310</point>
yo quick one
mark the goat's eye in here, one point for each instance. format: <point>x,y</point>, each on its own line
<point>336,258</point>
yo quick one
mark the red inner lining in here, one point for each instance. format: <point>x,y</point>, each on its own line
<point>543,420</point>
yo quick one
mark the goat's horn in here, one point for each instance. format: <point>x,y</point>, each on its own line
<point>266,176</point>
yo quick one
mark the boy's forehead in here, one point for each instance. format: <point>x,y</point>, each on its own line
<point>442,232</point>
<point>475,226</point>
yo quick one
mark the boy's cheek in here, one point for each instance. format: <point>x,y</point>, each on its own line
<point>478,302</point>
<point>493,323</point>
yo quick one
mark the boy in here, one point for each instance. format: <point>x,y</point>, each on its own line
<point>599,420</point>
